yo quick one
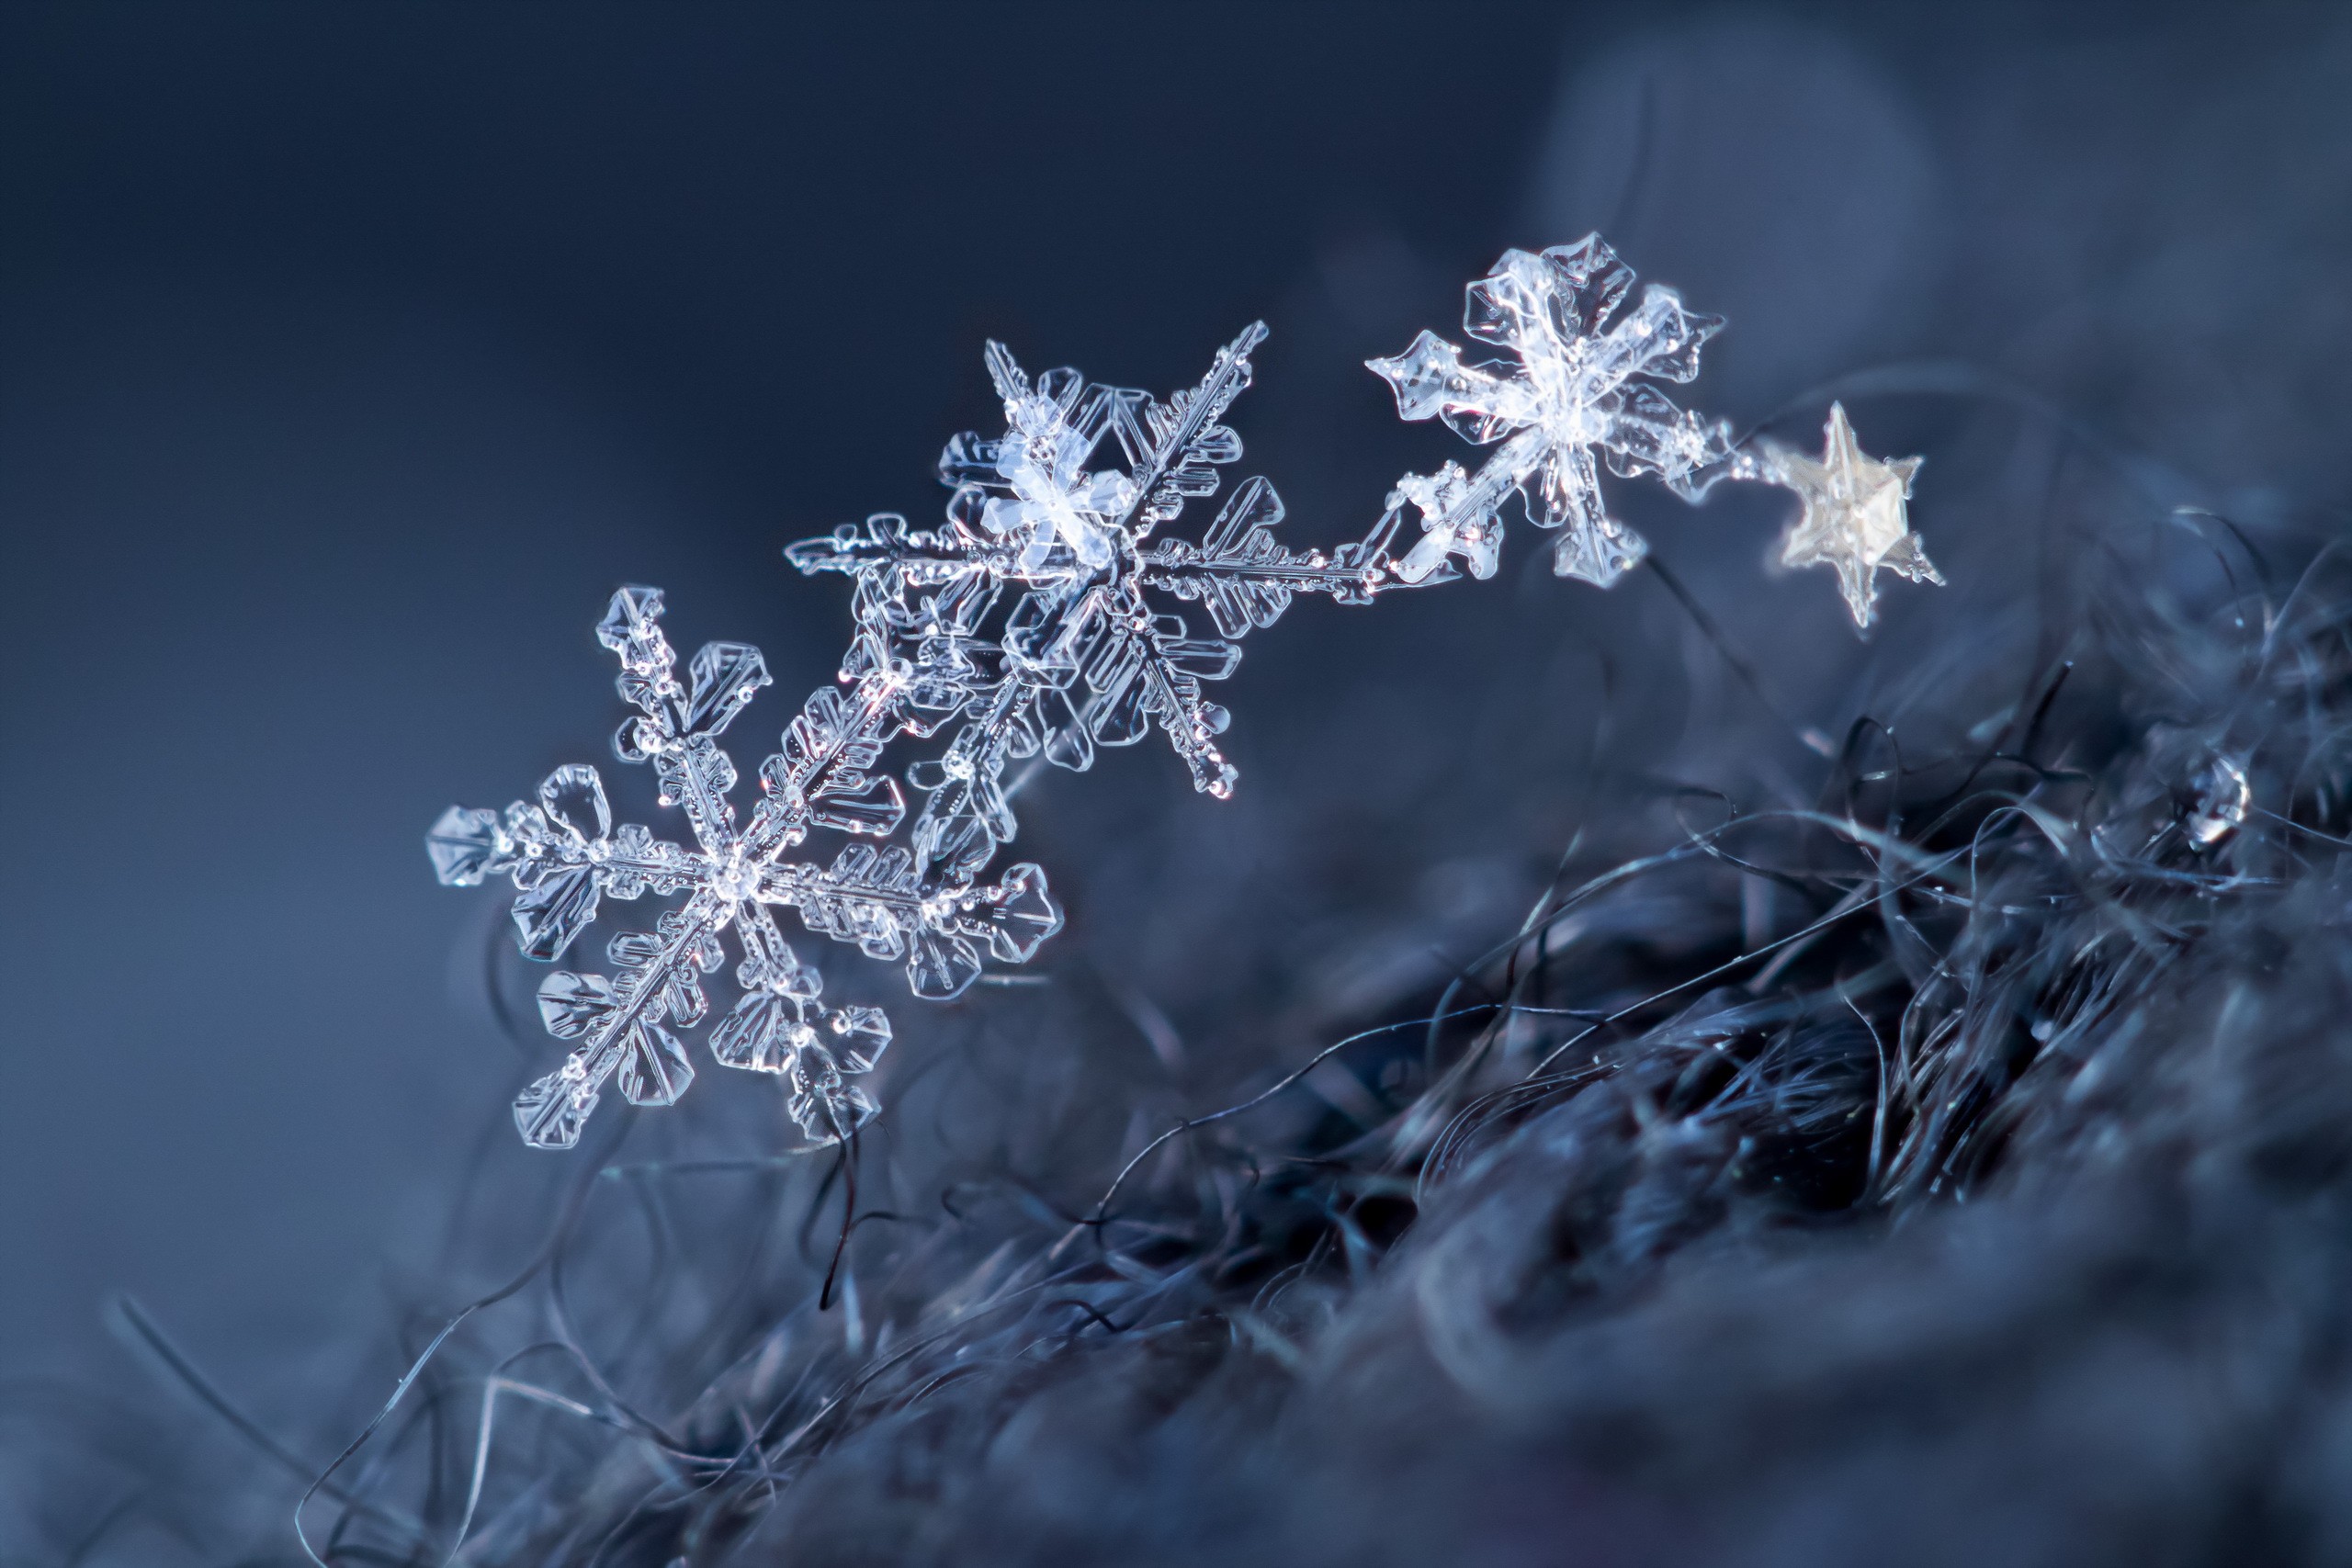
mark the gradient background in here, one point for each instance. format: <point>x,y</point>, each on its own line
<point>349,357</point>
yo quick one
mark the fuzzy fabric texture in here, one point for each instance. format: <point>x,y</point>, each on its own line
<point>1952,1168</point>
<point>1634,1079</point>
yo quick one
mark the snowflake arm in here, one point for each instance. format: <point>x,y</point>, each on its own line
<point>1177,448</point>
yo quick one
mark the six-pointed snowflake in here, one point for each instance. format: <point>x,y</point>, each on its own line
<point>1575,392</point>
<point>1026,615</point>
<point>565,856</point>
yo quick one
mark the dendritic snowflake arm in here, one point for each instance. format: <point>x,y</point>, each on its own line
<point>564,856</point>
<point>1575,398</point>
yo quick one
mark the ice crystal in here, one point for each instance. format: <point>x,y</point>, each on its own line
<point>1026,614</point>
<point>1853,517</point>
<point>1032,624</point>
<point>1576,390</point>
<point>565,856</point>
<point>2222,803</point>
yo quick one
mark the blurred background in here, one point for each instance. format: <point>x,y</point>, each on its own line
<point>350,356</point>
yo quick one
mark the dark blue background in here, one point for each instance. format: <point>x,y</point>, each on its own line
<point>350,355</point>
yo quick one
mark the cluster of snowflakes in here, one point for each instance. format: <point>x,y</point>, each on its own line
<point>1022,628</point>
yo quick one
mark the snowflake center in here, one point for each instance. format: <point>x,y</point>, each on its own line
<point>735,879</point>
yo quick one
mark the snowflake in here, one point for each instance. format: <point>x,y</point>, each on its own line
<point>565,856</point>
<point>1572,392</point>
<point>1026,613</point>
<point>1853,516</point>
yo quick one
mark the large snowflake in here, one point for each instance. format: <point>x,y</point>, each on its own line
<point>565,856</point>
<point>1575,391</point>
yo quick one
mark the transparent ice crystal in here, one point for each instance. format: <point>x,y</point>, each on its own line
<point>1576,390</point>
<point>1026,620</point>
<point>1033,625</point>
<point>565,857</point>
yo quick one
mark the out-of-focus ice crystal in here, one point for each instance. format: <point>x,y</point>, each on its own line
<point>2222,803</point>
<point>1576,391</point>
<point>1854,517</point>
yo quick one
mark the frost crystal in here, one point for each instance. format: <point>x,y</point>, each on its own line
<point>565,856</point>
<point>1854,517</point>
<point>1026,616</point>
<point>1032,624</point>
<point>1574,392</point>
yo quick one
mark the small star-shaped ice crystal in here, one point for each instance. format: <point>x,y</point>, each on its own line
<point>1853,517</point>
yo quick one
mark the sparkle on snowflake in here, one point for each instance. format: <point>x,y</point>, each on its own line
<point>1853,516</point>
<point>1032,625</point>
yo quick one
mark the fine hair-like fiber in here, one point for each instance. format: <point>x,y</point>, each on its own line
<point>1949,1167</point>
<point>1639,1080</point>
